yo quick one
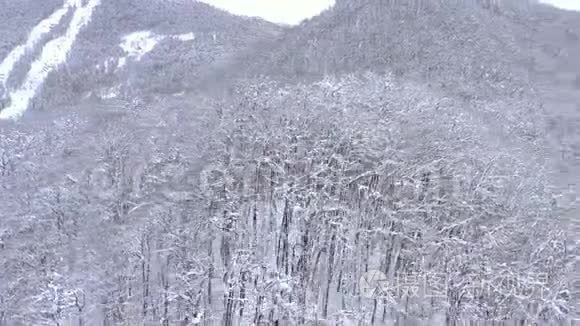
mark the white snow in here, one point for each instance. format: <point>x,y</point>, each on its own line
<point>54,53</point>
<point>137,44</point>
<point>111,92</point>
<point>35,36</point>
<point>197,318</point>
<point>122,62</point>
<point>185,37</point>
<point>108,65</point>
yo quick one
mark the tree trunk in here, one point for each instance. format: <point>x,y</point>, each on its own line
<point>329,275</point>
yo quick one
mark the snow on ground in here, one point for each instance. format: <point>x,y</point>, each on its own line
<point>35,36</point>
<point>53,54</point>
<point>109,93</point>
<point>109,65</point>
<point>122,62</point>
<point>185,37</point>
<point>137,44</point>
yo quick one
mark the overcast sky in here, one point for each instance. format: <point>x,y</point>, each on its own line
<point>278,11</point>
<point>294,11</point>
<point>565,4</point>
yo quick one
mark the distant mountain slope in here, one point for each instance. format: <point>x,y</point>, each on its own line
<point>17,18</point>
<point>170,65</point>
<point>513,63</point>
<point>180,38</point>
<point>495,55</point>
<point>474,51</point>
<point>558,79</point>
<point>54,54</point>
<point>465,46</point>
<point>23,24</point>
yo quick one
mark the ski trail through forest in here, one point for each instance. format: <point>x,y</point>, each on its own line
<point>54,53</point>
<point>34,38</point>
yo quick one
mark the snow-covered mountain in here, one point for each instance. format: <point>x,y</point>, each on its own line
<point>385,163</point>
<point>118,49</point>
<point>517,58</point>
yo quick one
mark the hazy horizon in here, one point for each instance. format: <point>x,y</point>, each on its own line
<point>292,12</point>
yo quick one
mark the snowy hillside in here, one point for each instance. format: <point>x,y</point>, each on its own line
<point>106,49</point>
<point>384,163</point>
<point>54,54</point>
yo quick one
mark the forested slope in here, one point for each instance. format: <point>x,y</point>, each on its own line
<point>96,67</point>
<point>278,212</point>
<point>367,141</point>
